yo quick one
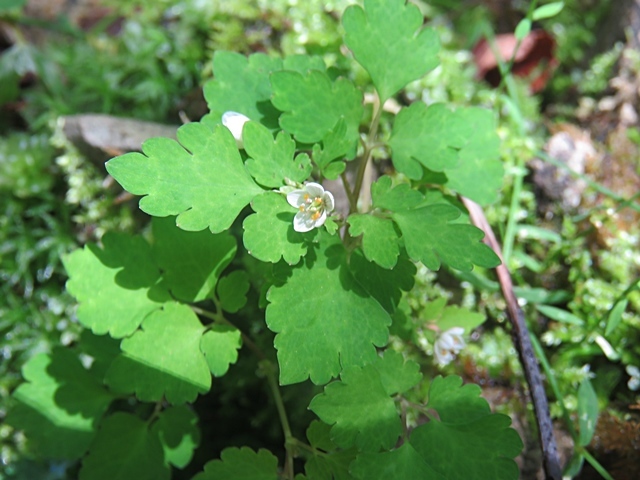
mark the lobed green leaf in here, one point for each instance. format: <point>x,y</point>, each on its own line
<point>125,448</point>
<point>313,104</point>
<point>191,262</point>
<point>202,179</point>
<point>177,430</point>
<point>269,235</point>
<point>163,360</point>
<point>123,270</point>
<point>241,84</point>
<point>389,41</point>
<point>271,162</point>
<point>59,406</point>
<point>323,319</point>
<point>241,463</point>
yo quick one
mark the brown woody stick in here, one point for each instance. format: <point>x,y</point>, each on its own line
<point>521,339</point>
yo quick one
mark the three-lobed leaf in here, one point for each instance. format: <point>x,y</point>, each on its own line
<point>323,319</point>
<point>268,233</point>
<point>125,447</point>
<point>59,406</point>
<point>241,463</point>
<point>272,161</point>
<point>202,179</point>
<point>313,104</point>
<point>177,430</point>
<point>431,237</point>
<point>389,41</point>
<point>191,262</point>
<point>163,359</point>
<point>360,407</point>
<point>241,84</point>
<point>123,269</point>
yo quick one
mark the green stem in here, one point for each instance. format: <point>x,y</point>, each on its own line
<point>353,201</point>
<point>368,151</point>
<point>289,441</point>
<point>595,464</point>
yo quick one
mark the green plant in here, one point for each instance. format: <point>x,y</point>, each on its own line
<point>169,310</point>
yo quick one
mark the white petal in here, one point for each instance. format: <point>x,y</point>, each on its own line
<point>329,202</point>
<point>455,331</point>
<point>314,189</point>
<point>235,121</point>
<point>443,356</point>
<point>296,198</point>
<point>303,222</point>
<point>320,221</point>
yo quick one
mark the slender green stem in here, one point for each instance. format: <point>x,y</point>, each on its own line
<point>353,201</point>
<point>290,442</point>
<point>595,464</point>
<point>368,150</point>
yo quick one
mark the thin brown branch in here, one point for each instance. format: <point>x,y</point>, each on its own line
<point>522,341</point>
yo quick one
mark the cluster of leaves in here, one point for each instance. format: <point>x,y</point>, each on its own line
<point>330,298</point>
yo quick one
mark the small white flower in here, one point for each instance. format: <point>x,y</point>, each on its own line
<point>634,381</point>
<point>235,121</point>
<point>448,344</point>
<point>313,205</point>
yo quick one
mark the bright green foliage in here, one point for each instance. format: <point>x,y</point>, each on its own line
<point>60,405</point>
<point>587,412</point>
<point>163,359</point>
<point>330,462</point>
<point>125,447</point>
<point>360,406</point>
<point>220,347</point>
<point>386,286</point>
<point>361,412</point>
<point>479,173</point>
<point>388,40</point>
<point>191,262</point>
<point>313,104</point>
<point>241,85</point>
<point>446,317</point>
<point>428,232</point>
<point>323,319</point>
<point>335,145</point>
<point>177,430</point>
<point>429,136</point>
<point>232,291</point>
<point>396,374</point>
<point>462,143</point>
<point>404,463</point>
<point>379,241</point>
<point>330,293</point>
<point>271,162</point>
<point>431,238</point>
<point>465,441</point>
<point>269,234</point>
<point>122,270</point>
<point>241,463</point>
<point>400,197</point>
<point>185,179</point>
